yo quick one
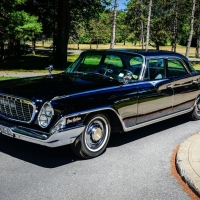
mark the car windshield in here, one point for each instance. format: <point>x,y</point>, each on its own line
<point>118,66</point>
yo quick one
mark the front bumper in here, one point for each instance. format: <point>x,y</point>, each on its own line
<point>57,139</point>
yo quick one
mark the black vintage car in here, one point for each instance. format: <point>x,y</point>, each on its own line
<point>101,92</point>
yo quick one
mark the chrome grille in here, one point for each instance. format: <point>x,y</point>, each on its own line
<point>16,108</point>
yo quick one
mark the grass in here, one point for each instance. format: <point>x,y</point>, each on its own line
<point>37,63</point>
<point>196,65</point>
<point>179,49</point>
<point>32,63</point>
<point>7,78</point>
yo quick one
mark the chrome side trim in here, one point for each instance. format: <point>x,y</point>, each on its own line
<point>122,122</point>
<point>158,120</point>
<point>67,136</point>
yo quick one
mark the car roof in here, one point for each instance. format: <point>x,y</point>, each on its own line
<point>149,53</point>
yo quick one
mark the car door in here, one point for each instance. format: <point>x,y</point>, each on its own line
<point>155,96</point>
<point>185,85</point>
<point>126,98</point>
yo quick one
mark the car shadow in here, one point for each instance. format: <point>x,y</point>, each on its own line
<point>36,154</point>
<point>55,157</point>
<point>118,139</point>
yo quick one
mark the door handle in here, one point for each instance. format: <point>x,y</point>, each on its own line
<point>194,81</point>
<point>169,86</point>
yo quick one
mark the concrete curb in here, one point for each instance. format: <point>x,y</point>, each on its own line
<point>188,162</point>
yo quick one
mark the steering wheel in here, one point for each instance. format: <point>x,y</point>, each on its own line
<point>125,76</point>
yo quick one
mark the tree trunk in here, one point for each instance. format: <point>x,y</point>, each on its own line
<point>10,50</point>
<point>54,32</point>
<point>148,25</point>
<point>197,48</point>
<point>62,33</point>
<point>33,46</point>
<point>18,48</point>
<point>97,44</point>
<point>113,34</point>
<point>174,35</point>
<point>142,34</point>
<point>135,42</point>
<point>2,50</point>
<point>78,45</point>
<point>124,41</point>
<point>43,41</point>
<point>191,30</point>
<point>90,44</point>
<point>157,46</point>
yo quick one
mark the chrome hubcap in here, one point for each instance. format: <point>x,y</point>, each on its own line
<point>198,105</point>
<point>197,108</point>
<point>96,134</point>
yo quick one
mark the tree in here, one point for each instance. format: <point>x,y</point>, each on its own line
<point>123,29</point>
<point>197,29</point>
<point>61,18</point>
<point>16,25</point>
<point>69,11</point>
<point>113,34</point>
<point>191,29</point>
<point>23,26</point>
<point>174,26</point>
<point>100,28</point>
<point>148,25</point>
<point>135,19</point>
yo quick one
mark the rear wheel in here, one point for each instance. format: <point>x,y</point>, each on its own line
<point>195,113</point>
<point>94,139</point>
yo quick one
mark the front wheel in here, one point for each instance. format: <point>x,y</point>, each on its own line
<point>195,113</point>
<point>94,139</point>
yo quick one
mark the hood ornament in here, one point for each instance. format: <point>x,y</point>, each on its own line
<point>50,69</point>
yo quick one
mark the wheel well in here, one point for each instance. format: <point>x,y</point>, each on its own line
<point>115,123</point>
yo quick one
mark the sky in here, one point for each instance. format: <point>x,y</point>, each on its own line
<point>121,4</point>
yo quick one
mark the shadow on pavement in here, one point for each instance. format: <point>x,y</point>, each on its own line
<point>36,154</point>
<point>118,139</point>
<point>55,157</point>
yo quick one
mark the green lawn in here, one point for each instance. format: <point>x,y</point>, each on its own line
<point>38,63</point>
<point>32,63</point>
<point>3,78</point>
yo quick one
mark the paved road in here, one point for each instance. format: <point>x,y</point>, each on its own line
<point>136,165</point>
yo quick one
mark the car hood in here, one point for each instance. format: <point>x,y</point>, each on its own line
<point>47,87</point>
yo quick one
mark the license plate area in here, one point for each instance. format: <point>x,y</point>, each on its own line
<point>6,131</point>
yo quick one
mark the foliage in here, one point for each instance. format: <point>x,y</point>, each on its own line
<point>123,29</point>
<point>16,23</point>
<point>23,25</point>
<point>90,21</point>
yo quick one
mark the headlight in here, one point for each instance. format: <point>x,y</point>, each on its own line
<point>45,115</point>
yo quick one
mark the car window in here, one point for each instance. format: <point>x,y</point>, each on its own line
<point>124,68</point>
<point>113,60</point>
<point>175,68</point>
<point>136,60</point>
<point>155,69</point>
<point>135,66</point>
<point>89,63</point>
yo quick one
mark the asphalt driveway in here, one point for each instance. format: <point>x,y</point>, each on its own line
<point>136,165</point>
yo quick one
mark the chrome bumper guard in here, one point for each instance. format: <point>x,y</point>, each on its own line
<point>57,139</point>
